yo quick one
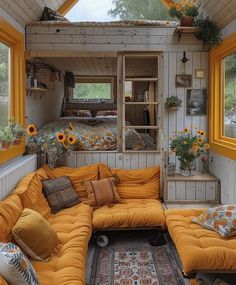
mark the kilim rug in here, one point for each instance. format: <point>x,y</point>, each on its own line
<point>129,265</point>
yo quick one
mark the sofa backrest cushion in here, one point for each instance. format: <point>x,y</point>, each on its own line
<point>77,177</point>
<point>134,184</point>
<point>30,192</point>
<point>10,211</point>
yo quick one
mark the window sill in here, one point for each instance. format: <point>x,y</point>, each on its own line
<point>224,148</point>
<point>7,154</point>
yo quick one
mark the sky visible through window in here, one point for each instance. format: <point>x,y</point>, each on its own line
<point>91,10</point>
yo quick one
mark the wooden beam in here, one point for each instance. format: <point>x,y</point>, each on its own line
<point>68,4</point>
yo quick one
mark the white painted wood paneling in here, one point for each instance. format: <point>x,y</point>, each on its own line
<point>132,160</point>
<point>12,172</point>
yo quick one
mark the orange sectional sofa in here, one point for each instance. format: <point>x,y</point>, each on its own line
<point>199,249</point>
<point>139,207</point>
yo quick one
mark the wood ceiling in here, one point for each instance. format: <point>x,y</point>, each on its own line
<point>27,11</point>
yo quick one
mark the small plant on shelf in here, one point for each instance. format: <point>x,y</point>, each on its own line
<point>185,11</point>
<point>7,137</point>
<point>173,103</point>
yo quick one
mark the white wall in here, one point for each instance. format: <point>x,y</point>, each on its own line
<point>223,167</point>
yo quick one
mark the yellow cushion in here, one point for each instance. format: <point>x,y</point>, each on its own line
<point>10,211</point>
<point>77,176</point>
<point>199,248</point>
<point>35,236</point>
<point>31,195</point>
<point>130,213</point>
<point>102,192</point>
<point>73,227</point>
<point>3,281</point>
<point>135,184</point>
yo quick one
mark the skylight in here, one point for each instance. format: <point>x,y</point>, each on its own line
<point>110,10</point>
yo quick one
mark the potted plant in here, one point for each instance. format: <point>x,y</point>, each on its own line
<point>208,32</point>
<point>19,133</point>
<point>185,11</point>
<point>188,146</point>
<point>6,136</point>
<point>173,103</point>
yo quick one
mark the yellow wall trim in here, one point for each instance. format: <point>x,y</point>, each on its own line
<point>218,142</point>
<point>66,7</point>
<point>15,40</point>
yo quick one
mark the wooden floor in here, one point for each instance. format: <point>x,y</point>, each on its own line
<point>121,238</point>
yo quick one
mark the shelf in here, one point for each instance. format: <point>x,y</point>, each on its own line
<point>141,79</point>
<point>185,31</point>
<point>142,127</point>
<point>37,89</point>
<point>141,103</point>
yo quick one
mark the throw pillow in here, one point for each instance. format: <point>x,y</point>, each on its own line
<point>60,193</point>
<point>220,219</point>
<point>84,113</point>
<point>51,15</point>
<point>15,267</point>
<point>102,192</point>
<point>35,236</point>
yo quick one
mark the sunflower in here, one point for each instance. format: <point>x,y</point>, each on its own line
<point>31,130</point>
<point>206,146</point>
<point>194,145</point>
<point>185,142</point>
<point>61,137</point>
<point>200,141</point>
<point>186,130</point>
<point>71,139</point>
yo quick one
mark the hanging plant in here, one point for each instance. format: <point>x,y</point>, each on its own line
<point>208,32</point>
<point>173,103</point>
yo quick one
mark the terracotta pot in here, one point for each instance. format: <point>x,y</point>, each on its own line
<point>186,21</point>
<point>174,108</point>
<point>6,145</point>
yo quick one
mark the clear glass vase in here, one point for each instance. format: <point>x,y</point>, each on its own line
<point>187,168</point>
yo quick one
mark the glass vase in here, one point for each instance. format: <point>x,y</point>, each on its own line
<point>187,168</point>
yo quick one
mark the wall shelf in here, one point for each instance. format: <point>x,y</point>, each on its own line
<point>141,103</point>
<point>141,79</point>
<point>36,89</point>
<point>185,31</point>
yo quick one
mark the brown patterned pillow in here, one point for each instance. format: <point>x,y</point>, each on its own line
<point>102,192</point>
<point>59,193</point>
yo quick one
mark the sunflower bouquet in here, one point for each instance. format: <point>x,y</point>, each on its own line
<point>51,145</point>
<point>188,146</point>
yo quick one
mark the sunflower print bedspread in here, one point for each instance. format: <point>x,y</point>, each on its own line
<point>94,134</point>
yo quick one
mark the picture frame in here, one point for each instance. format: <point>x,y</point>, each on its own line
<point>183,80</point>
<point>199,73</point>
<point>196,102</point>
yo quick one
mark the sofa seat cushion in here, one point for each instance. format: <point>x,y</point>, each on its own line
<point>199,248</point>
<point>130,213</point>
<point>73,227</point>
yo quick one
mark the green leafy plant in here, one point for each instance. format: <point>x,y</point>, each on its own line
<point>6,134</point>
<point>173,102</point>
<point>208,32</point>
<point>188,146</point>
<point>186,10</point>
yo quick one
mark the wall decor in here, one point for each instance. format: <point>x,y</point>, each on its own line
<point>183,80</point>
<point>196,102</point>
<point>199,73</point>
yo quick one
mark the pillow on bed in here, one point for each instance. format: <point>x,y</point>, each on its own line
<point>51,15</point>
<point>70,113</point>
<point>220,219</point>
<point>84,113</point>
<point>106,113</point>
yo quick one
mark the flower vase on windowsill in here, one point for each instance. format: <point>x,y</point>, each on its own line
<point>187,168</point>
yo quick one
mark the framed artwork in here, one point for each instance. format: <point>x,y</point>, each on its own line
<point>183,80</point>
<point>196,102</point>
<point>199,73</point>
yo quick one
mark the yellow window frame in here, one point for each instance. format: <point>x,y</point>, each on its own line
<point>15,41</point>
<point>218,142</point>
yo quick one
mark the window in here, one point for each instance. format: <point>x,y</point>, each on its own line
<point>223,98</point>
<point>4,84</point>
<point>12,82</point>
<point>229,93</point>
<point>93,90</point>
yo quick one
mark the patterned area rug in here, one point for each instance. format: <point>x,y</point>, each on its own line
<point>128,265</point>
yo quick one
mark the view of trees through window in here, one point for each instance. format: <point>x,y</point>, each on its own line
<point>4,84</point>
<point>230,95</point>
<point>92,91</point>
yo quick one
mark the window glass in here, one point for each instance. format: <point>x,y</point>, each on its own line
<point>229,75</point>
<point>4,84</point>
<point>92,91</point>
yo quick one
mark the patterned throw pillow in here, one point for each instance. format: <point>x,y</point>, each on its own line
<point>60,193</point>
<point>15,267</point>
<point>220,219</point>
<point>102,192</point>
